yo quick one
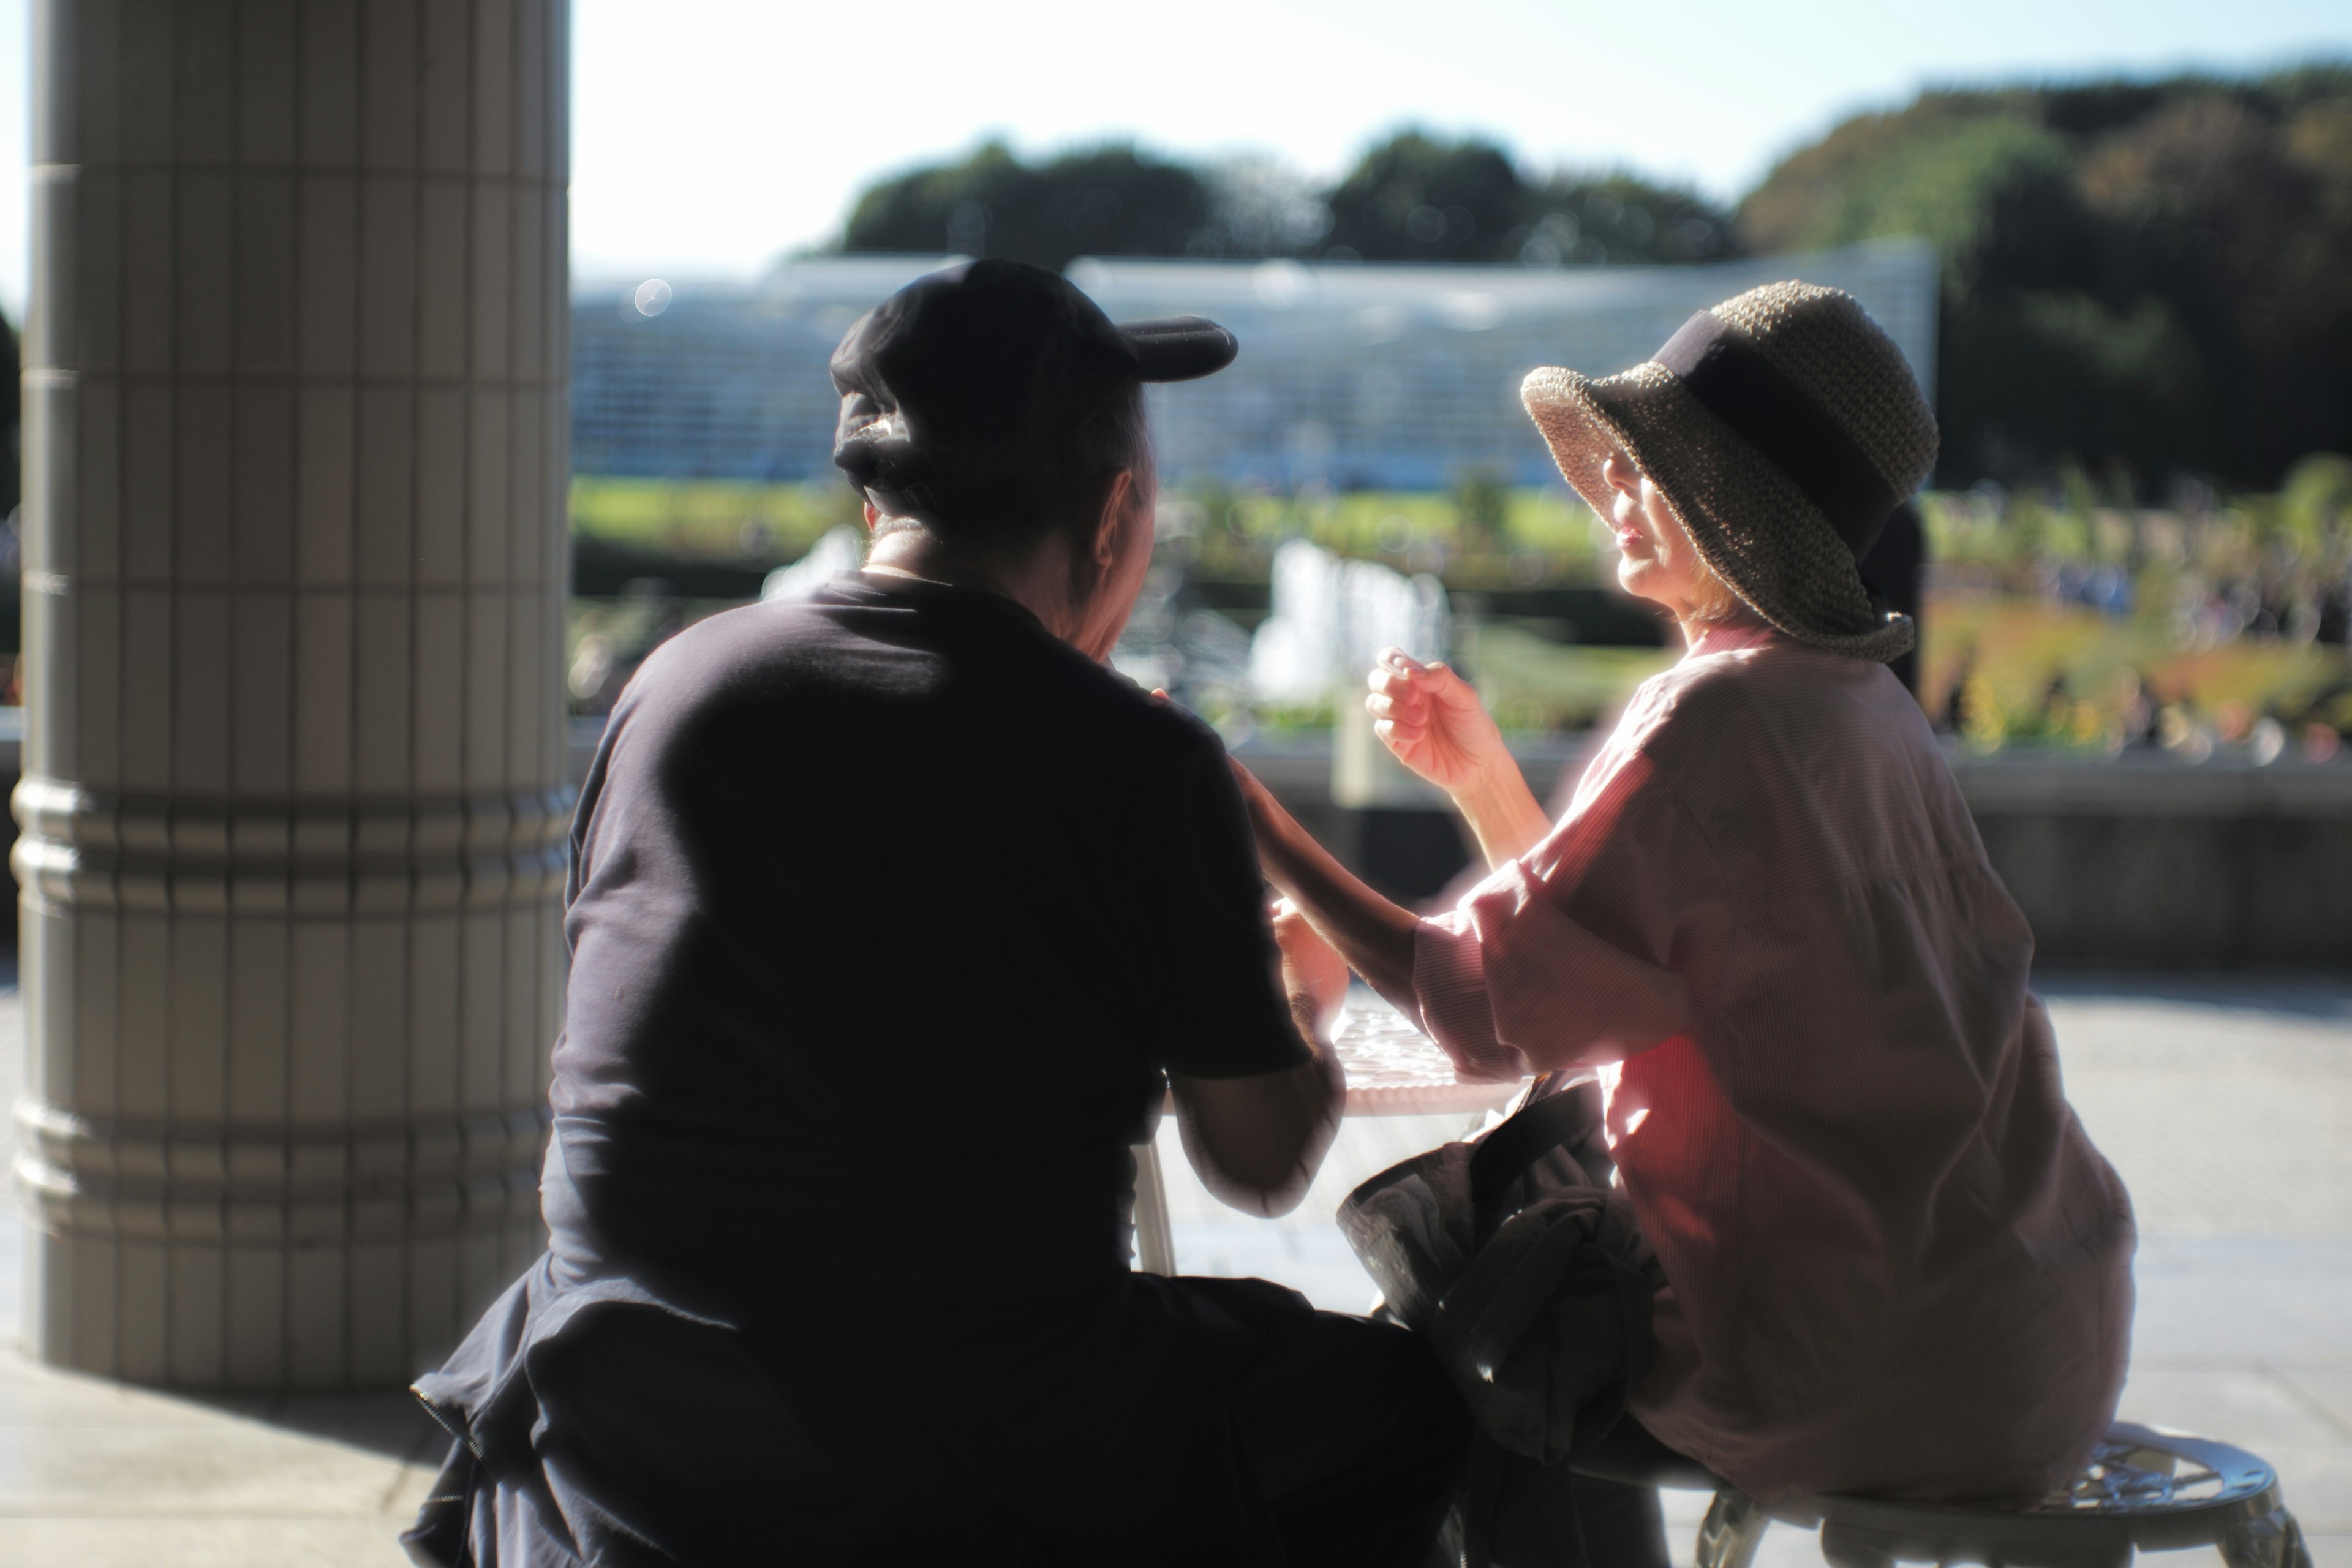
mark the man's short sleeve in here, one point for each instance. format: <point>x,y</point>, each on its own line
<point>1220,1011</point>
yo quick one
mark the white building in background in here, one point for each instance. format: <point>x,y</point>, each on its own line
<point>1399,377</point>
<point>678,379</point>
<point>1354,375</point>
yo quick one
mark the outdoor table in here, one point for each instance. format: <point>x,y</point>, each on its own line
<point>1394,1070</point>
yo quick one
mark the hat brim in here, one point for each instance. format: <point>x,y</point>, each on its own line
<point>1747,521</point>
<point>1179,348</point>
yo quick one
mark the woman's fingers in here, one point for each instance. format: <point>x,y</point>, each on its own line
<point>1428,717</point>
<point>1422,693</point>
<point>1403,726</point>
<point>1393,697</point>
<point>1412,746</point>
<point>1418,677</point>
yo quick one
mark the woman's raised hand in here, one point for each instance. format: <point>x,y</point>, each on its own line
<point>1433,722</point>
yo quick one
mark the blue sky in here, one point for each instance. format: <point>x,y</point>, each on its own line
<point>710,135</point>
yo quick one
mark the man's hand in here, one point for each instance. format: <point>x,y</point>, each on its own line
<point>1433,722</point>
<point>1256,1143</point>
<point>1374,936</point>
<point>1314,976</point>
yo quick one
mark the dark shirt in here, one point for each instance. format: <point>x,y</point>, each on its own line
<point>888,912</point>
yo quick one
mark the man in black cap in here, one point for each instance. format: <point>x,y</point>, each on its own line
<point>892,914</point>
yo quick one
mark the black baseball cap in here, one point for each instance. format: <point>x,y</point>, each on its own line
<point>971,378</point>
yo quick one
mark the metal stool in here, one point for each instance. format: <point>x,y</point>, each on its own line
<point>2144,1489</point>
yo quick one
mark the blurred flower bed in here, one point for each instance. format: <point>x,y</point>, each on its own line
<point>1482,534</point>
<point>754,524</point>
<point>2060,619</point>
<point>2213,625</point>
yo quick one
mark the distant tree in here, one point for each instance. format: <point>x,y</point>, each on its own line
<point>2150,275</point>
<point>1413,197</point>
<point>1260,207</point>
<point>2212,206</point>
<point>1619,220</point>
<point>1104,200</point>
<point>1417,198</point>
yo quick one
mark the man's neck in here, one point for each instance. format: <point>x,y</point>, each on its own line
<point>1038,582</point>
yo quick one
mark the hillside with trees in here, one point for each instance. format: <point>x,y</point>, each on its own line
<point>2145,279</point>
<point>1414,197</point>
<point>2142,280</point>
<point>1102,201</point>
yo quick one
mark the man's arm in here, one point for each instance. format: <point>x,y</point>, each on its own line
<point>1257,1141</point>
<point>1369,934</point>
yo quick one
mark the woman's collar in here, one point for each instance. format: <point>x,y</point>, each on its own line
<point>1729,638</point>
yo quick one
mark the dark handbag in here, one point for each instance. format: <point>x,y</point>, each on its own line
<point>1521,1263</point>
<point>1524,1267</point>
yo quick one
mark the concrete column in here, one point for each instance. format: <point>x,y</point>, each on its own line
<point>293,800</point>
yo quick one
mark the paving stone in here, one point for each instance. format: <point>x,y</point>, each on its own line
<point>2317,1480</point>
<point>2326,1551</point>
<point>2251,1407</point>
<point>39,1396</point>
<point>226,1467</point>
<point>2331,1390</point>
<point>2240,1303</point>
<point>2224,1103</point>
<point>203,1543</point>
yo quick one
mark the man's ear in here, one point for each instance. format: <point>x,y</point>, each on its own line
<point>1114,513</point>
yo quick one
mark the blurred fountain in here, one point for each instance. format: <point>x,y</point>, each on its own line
<point>1331,618</point>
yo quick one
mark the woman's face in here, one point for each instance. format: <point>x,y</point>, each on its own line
<point>1655,559</point>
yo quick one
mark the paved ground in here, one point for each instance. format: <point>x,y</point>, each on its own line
<point>2227,1106</point>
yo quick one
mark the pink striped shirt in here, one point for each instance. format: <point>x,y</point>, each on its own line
<point>1896,1265</point>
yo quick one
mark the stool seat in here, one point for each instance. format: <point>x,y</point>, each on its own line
<point>2146,1489</point>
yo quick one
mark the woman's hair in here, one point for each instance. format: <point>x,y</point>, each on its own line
<point>1064,492</point>
<point>1713,602</point>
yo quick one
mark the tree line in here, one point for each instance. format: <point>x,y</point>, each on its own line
<point>2143,282</point>
<point>1414,197</point>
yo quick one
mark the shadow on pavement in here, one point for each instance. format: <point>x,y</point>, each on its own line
<point>390,1424</point>
<point>2304,993</point>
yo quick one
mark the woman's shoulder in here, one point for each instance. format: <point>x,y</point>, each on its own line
<point>1703,688</point>
<point>1774,698</point>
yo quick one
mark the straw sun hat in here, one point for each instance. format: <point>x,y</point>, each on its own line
<point>1782,426</point>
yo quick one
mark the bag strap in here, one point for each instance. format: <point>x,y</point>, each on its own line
<point>1552,1118</point>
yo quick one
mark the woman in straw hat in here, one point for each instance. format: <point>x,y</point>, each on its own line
<point>1894,1263</point>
